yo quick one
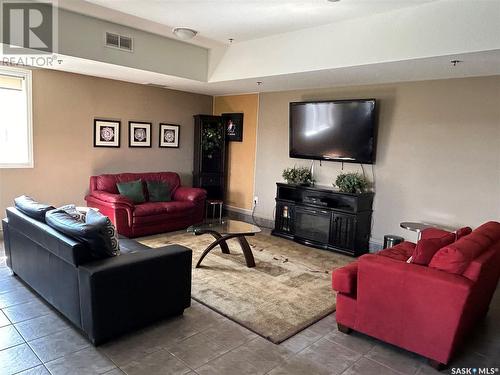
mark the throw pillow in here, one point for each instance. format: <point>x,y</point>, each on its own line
<point>106,229</point>
<point>73,212</point>
<point>427,247</point>
<point>401,251</point>
<point>462,232</point>
<point>98,233</point>
<point>32,208</point>
<point>132,190</point>
<point>433,233</point>
<point>456,257</point>
<point>159,191</point>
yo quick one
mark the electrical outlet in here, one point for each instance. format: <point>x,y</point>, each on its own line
<point>255,200</point>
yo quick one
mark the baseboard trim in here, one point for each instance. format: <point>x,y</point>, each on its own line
<point>243,214</point>
<point>244,211</point>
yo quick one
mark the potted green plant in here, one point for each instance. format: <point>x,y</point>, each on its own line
<point>298,176</point>
<point>351,183</point>
<point>211,140</point>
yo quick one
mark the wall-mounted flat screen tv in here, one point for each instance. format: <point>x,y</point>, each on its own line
<point>339,130</point>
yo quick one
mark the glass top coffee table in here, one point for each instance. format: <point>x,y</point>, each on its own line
<point>223,231</point>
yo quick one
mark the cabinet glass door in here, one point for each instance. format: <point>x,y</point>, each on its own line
<point>212,146</point>
<point>284,215</point>
<point>312,224</point>
<point>343,231</point>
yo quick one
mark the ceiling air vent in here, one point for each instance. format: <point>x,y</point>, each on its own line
<point>112,40</point>
<point>126,43</point>
<point>118,41</point>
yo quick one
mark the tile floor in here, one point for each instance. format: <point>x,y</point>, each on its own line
<point>34,339</point>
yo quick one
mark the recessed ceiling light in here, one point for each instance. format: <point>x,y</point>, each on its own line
<point>184,33</point>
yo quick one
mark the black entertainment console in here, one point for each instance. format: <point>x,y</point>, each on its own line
<point>323,217</point>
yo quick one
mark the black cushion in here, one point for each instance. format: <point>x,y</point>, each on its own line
<point>98,233</point>
<point>159,191</point>
<point>32,208</point>
<point>72,210</point>
<point>41,235</point>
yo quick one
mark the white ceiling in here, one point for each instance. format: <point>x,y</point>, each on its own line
<point>218,20</point>
<point>319,43</point>
<point>474,64</point>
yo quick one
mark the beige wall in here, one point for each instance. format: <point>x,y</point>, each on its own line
<point>241,155</point>
<point>64,106</point>
<point>438,156</point>
<point>438,152</point>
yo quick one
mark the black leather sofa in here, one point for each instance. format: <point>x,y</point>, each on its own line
<point>104,298</point>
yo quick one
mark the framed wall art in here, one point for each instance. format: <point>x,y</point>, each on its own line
<point>233,122</point>
<point>106,133</point>
<point>169,135</point>
<point>139,134</point>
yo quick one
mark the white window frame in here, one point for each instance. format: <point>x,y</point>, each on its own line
<point>25,74</point>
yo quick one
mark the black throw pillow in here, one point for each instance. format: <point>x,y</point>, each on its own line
<point>159,191</point>
<point>98,233</point>
<point>32,208</point>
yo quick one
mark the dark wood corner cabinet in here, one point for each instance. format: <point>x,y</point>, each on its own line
<point>322,217</point>
<point>209,171</point>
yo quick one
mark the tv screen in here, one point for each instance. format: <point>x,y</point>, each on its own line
<point>341,130</point>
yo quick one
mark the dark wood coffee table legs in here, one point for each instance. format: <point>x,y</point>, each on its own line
<point>221,241</point>
<point>247,251</point>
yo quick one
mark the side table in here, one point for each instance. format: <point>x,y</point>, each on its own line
<point>214,203</point>
<point>415,227</point>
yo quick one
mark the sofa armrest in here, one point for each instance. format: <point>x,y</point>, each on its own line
<point>344,279</point>
<point>111,198</point>
<point>417,307</point>
<point>126,292</point>
<point>117,207</point>
<point>183,193</point>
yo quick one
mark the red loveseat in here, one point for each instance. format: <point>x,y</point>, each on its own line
<point>133,220</point>
<point>424,309</point>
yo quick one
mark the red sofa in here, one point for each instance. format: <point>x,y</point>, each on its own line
<point>133,220</point>
<point>424,309</point>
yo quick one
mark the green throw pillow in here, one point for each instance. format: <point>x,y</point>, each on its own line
<point>132,190</point>
<point>159,191</point>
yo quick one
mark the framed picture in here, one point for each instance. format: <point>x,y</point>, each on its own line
<point>169,135</point>
<point>106,133</point>
<point>139,134</point>
<point>233,123</point>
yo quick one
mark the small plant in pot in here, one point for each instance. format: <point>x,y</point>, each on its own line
<point>298,176</point>
<point>211,141</point>
<point>351,183</point>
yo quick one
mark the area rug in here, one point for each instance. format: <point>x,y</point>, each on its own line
<point>288,290</point>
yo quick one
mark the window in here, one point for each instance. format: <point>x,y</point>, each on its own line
<point>16,130</point>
